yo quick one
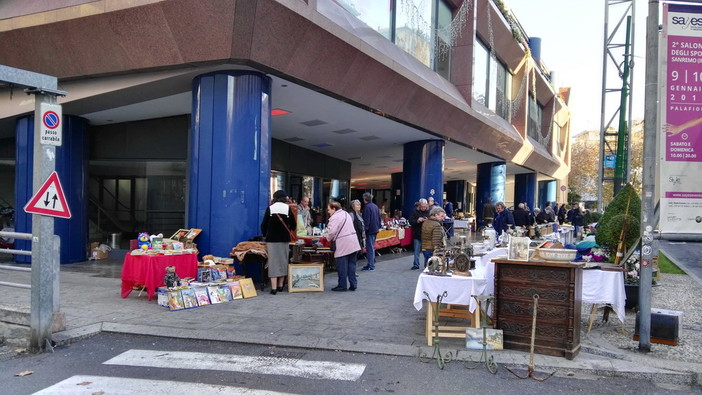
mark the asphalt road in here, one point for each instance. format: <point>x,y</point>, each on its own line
<point>112,363</point>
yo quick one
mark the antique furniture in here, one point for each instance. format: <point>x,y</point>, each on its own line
<point>559,286</point>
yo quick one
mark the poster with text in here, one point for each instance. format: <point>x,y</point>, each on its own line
<point>681,119</point>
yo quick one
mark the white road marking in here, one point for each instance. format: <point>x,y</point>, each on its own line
<point>240,363</point>
<point>90,385</point>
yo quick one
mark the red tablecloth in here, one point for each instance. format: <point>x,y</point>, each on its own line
<point>150,270</point>
<point>407,240</point>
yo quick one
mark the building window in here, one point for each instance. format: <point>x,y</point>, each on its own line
<point>489,81</point>
<point>442,61</point>
<point>535,116</point>
<point>411,25</point>
<point>481,73</point>
<point>377,14</point>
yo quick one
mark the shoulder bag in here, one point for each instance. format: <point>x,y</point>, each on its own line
<point>291,233</point>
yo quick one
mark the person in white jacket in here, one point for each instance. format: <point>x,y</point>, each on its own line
<point>343,234</point>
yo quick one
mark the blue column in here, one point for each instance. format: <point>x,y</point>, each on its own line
<point>72,169</point>
<point>422,173</point>
<point>229,163</point>
<point>547,192</point>
<point>525,189</point>
<point>490,183</point>
<point>456,193</point>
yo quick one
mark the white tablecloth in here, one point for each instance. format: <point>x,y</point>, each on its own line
<point>605,287</point>
<point>459,289</point>
<point>485,267</point>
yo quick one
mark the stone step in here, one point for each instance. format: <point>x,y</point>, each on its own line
<point>15,322</point>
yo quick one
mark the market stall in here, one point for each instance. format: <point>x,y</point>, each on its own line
<point>458,302</point>
<point>149,270</point>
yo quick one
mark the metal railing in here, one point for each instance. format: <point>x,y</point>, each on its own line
<point>20,236</point>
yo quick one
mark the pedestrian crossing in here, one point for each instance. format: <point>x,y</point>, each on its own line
<point>91,385</point>
<point>240,363</point>
<point>259,365</point>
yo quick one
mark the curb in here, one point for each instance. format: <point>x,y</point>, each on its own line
<point>591,360</point>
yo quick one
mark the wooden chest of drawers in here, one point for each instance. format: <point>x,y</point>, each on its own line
<point>559,286</point>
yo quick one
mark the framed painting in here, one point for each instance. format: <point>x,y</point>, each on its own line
<point>179,234</point>
<point>306,277</point>
<point>193,233</point>
<point>518,249</point>
<point>493,339</point>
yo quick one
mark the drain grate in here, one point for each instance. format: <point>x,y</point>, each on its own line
<point>293,355</point>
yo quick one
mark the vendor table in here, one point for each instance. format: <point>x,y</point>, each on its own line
<point>559,286</point>
<point>604,287</point>
<point>386,238</point>
<point>459,291</point>
<point>149,270</point>
<point>309,240</point>
<point>405,236</point>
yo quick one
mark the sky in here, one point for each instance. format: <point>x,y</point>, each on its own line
<point>572,45</point>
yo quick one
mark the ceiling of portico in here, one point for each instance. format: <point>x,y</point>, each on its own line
<point>371,142</point>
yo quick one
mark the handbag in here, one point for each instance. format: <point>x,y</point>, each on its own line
<point>292,234</point>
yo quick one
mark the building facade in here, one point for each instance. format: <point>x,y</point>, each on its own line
<point>192,112</point>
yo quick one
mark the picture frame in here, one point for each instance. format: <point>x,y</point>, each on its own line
<point>493,337</point>
<point>248,290</point>
<point>306,277</point>
<point>180,233</point>
<point>518,248</point>
<point>235,288</point>
<point>193,233</point>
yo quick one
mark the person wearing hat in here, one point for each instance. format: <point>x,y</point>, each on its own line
<point>277,221</point>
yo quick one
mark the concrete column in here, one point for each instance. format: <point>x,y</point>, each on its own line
<point>72,169</point>
<point>490,183</point>
<point>229,158</point>
<point>423,172</point>
<point>525,189</point>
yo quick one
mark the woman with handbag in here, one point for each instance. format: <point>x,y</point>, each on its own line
<point>343,236</point>
<point>358,224</point>
<point>278,222</point>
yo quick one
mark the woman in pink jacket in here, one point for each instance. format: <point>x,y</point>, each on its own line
<point>342,233</point>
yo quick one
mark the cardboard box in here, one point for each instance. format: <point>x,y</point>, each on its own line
<point>99,251</point>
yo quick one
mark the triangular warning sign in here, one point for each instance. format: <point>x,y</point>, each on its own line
<point>49,200</point>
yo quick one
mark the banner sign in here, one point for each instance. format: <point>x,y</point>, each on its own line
<point>680,151</point>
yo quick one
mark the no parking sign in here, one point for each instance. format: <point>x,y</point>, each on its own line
<point>50,129</point>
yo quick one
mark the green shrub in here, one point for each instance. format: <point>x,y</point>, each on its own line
<point>609,227</point>
<point>591,217</point>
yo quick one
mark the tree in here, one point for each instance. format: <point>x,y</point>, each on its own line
<point>585,165</point>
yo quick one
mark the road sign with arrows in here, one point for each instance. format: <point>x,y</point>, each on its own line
<point>49,200</point>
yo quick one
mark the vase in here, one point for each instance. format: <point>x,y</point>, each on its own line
<point>632,295</point>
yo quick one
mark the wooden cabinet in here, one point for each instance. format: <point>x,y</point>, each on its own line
<point>559,286</point>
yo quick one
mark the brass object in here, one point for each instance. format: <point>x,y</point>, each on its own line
<point>441,360</point>
<point>489,361</point>
<point>530,368</point>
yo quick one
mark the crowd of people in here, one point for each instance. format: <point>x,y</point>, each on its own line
<point>502,219</point>
<point>354,230</point>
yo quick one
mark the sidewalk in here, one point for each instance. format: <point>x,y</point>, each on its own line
<point>377,318</point>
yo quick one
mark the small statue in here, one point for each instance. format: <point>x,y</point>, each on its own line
<point>171,280</point>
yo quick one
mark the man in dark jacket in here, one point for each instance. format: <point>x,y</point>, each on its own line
<point>372,223</point>
<point>419,215</point>
<point>504,218</point>
<point>521,216</point>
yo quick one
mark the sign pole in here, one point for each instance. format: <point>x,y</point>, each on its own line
<point>44,274</point>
